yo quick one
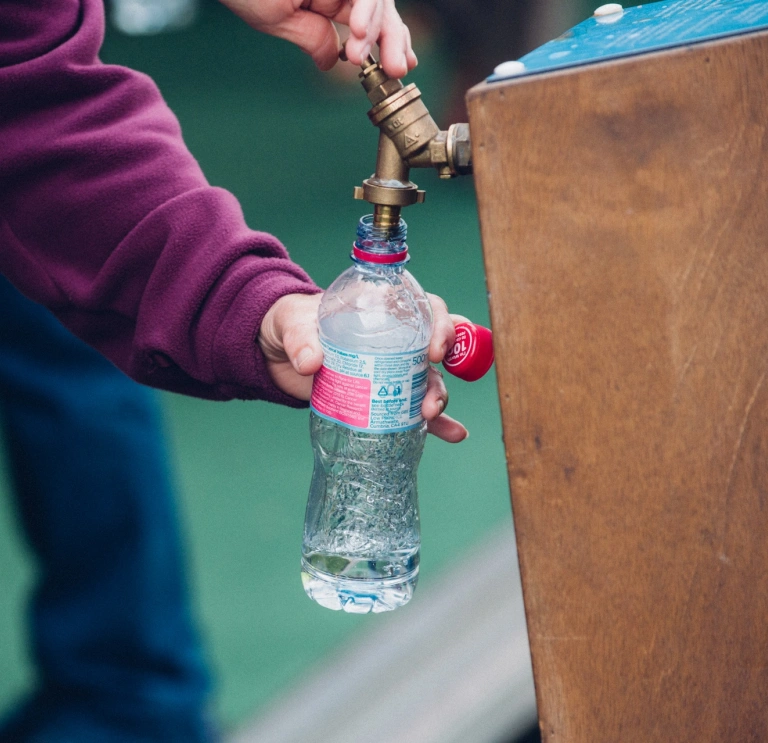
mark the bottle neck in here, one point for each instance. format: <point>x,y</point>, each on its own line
<point>380,246</point>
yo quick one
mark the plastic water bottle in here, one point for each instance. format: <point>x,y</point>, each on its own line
<point>361,534</point>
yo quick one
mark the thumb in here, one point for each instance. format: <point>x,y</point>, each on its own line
<point>313,34</point>
<point>289,333</point>
<point>303,349</point>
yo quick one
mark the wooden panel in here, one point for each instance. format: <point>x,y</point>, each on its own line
<point>624,218</point>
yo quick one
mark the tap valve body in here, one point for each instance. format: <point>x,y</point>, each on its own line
<point>409,138</point>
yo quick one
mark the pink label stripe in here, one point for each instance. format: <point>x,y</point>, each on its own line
<point>343,398</point>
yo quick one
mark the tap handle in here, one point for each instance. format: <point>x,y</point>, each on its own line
<point>369,61</point>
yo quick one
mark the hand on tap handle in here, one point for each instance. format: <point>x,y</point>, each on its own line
<point>309,25</point>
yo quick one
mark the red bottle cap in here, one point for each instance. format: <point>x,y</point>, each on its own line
<point>472,353</point>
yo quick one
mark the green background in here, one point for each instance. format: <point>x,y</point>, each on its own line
<point>290,143</point>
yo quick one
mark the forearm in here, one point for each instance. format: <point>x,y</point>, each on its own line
<point>106,218</point>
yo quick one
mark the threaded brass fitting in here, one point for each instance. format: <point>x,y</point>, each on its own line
<point>409,138</point>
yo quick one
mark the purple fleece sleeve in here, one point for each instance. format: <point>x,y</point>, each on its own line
<point>106,218</point>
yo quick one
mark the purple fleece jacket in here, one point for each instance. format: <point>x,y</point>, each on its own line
<point>107,220</point>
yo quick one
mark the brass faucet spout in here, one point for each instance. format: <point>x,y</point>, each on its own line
<point>409,138</point>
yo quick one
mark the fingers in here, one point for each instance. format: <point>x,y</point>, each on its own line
<point>301,341</point>
<point>365,23</point>
<point>435,402</point>
<point>410,55</point>
<point>309,26</point>
<point>436,398</point>
<point>285,377</point>
<point>447,429</point>
<point>378,20</point>
<point>289,339</point>
<point>289,333</point>
<point>443,333</point>
<point>443,330</point>
<point>312,33</point>
<point>302,347</point>
<point>396,54</point>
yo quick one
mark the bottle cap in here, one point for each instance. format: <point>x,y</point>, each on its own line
<point>472,353</point>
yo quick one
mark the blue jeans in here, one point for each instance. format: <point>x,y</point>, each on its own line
<point>117,656</point>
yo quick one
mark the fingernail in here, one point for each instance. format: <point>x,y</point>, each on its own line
<point>440,406</point>
<point>365,51</point>
<point>304,356</point>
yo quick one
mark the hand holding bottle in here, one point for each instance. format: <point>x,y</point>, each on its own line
<point>290,342</point>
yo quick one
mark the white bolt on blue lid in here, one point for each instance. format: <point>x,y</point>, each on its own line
<point>608,9</point>
<point>509,69</point>
<point>608,13</point>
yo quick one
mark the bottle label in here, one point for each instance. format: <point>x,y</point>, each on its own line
<point>379,393</point>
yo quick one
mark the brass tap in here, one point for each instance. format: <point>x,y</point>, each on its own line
<point>408,138</point>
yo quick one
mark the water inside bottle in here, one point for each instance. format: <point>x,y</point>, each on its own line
<point>358,594</point>
<point>361,546</point>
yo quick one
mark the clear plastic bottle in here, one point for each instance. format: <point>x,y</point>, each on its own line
<point>361,533</point>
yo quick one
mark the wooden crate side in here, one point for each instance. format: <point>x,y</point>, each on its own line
<point>624,219</point>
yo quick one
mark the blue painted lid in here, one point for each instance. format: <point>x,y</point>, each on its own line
<point>615,32</point>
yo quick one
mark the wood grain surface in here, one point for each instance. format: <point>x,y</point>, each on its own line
<point>624,219</point>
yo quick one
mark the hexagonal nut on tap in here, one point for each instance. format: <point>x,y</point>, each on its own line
<point>458,148</point>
